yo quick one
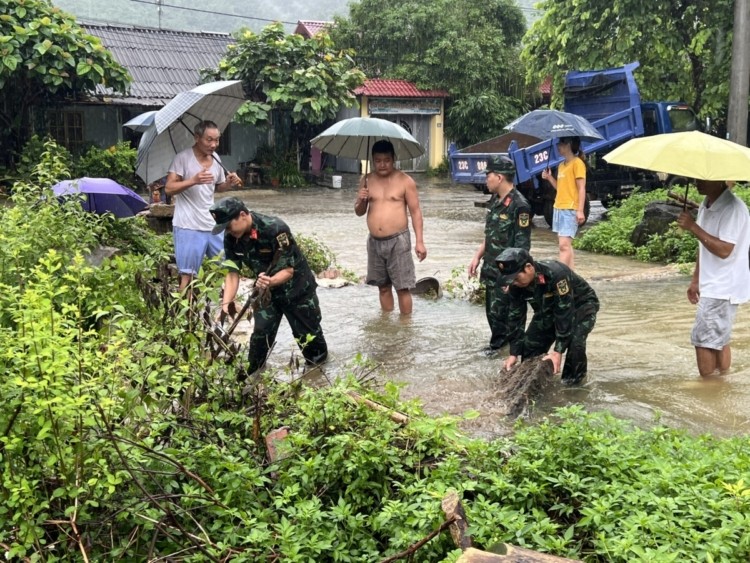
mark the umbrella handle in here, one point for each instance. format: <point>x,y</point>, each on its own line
<point>224,168</point>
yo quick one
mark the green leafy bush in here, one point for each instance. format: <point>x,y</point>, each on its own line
<point>612,235</point>
<point>116,162</point>
<point>120,439</point>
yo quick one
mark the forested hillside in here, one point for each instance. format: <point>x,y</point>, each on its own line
<point>222,15</point>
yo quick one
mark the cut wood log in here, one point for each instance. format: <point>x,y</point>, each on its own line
<point>510,554</point>
<point>395,416</point>
<point>459,529</point>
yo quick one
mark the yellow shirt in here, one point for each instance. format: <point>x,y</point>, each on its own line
<point>567,191</point>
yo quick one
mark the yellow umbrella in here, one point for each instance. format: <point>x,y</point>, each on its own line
<point>691,154</point>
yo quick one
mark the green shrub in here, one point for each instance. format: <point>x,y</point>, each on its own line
<point>116,162</point>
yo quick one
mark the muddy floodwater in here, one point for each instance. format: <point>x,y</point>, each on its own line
<point>641,364</point>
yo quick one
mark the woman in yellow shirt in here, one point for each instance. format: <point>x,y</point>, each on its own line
<point>570,184</point>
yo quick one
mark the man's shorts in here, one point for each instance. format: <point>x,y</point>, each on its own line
<point>564,222</point>
<point>190,247</point>
<point>713,323</point>
<point>389,261</point>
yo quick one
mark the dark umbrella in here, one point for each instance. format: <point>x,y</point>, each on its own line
<point>551,124</point>
<point>102,196</point>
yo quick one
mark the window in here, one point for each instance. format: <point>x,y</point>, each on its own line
<point>66,127</point>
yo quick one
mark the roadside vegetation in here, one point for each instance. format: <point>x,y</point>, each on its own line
<point>612,235</point>
<point>121,440</point>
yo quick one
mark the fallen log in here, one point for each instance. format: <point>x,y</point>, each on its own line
<point>510,554</point>
<point>395,416</point>
<point>681,198</point>
<point>525,381</point>
<point>459,528</point>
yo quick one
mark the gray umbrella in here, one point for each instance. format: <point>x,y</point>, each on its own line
<point>172,129</point>
<point>141,122</point>
<point>550,124</point>
<point>354,137</point>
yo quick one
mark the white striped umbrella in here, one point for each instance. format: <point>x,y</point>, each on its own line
<point>172,129</point>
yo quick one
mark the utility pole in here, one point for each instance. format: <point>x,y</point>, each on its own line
<point>739,81</point>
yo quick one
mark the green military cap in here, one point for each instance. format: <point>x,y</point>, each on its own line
<point>510,262</point>
<point>224,210</point>
<point>501,165</point>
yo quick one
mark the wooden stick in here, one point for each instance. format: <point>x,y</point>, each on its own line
<point>395,416</point>
<point>454,511</point>
<point>414,547</point>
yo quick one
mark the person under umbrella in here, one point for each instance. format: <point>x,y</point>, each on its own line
<point>385,195</point>
<point>570,200</point>
<point>721,277</point>
<point>194,175</point>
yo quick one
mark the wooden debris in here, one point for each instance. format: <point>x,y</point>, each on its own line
<point>523,382</point>
<point>681,198</point>
<point>510,554</point>
<point>454,511</point>
<point>395,416</point>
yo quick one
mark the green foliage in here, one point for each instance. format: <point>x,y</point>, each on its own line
<point>121,440</point>
<point>441,170</point>
<point>319,256</point>
<point>688,54</point>
<point>116,162</point>
<point>46,58</point>
<point>284,169</point>
<point>308,78</point>
<point>612,235</point>
<point>461,286</point>
<point>465,48</point>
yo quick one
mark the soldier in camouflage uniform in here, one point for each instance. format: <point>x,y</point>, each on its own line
<point>508,224</point>
<point>564,305</point>
<point>266,245</point>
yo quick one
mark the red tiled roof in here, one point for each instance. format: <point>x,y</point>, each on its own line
<point>546,86</point>
<point>385,88</point>
<point>308,28</point>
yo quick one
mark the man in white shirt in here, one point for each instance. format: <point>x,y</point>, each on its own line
<point>721,279</point>
<point>194,175</point>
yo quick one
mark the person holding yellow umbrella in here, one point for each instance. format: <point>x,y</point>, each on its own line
<point>721,278</point>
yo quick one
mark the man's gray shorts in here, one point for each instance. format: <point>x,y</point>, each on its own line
<point>389,261</point>
<point>713,323</point>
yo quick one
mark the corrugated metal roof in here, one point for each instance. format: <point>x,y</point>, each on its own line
<point>385,88</point>
<point>161,62</point>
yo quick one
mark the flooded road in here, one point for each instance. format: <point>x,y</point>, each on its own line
<point>641,364</point>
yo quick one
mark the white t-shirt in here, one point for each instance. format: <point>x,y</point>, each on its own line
<point>191,205</point>
<point>727,278</point>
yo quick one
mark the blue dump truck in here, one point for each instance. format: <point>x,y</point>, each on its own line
<point>610,100</point>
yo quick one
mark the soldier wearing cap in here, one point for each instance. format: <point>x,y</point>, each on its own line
<point>564,305</point>
<point>266,245</point>
<point>508,224</point>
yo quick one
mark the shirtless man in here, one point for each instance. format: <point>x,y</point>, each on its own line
<point>384,195</point>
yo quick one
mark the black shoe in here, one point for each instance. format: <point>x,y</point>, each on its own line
<point>572,382</point>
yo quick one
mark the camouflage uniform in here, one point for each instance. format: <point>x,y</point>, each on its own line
<point>296,299</point>
<point>565,308</point>
<point>508,224</point>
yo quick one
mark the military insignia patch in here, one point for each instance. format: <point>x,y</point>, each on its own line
<point>503,216</point>
<point>523,219</point>
<point>562,287</point>
<point>283,240</point>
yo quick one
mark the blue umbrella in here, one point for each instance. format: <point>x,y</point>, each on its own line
<point>102,196</point>
<point>141,122</point>
<point>551,124</point>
